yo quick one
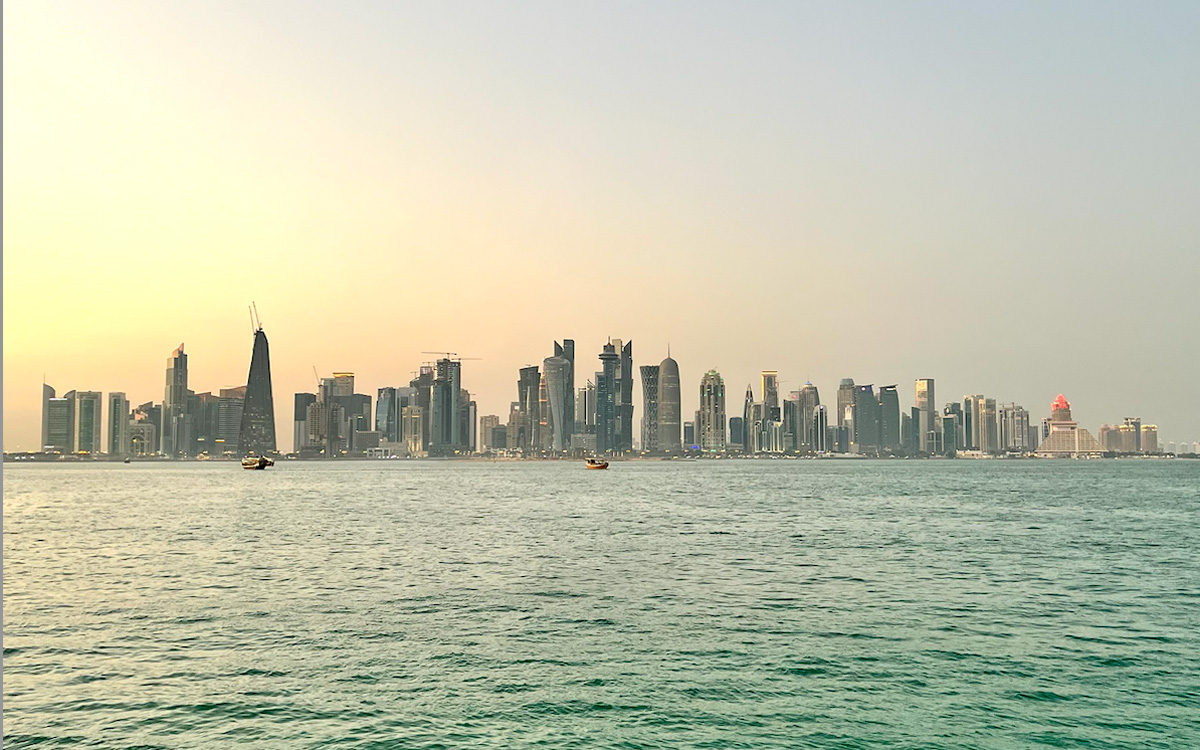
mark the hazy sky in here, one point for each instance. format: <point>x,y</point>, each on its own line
<point>1002,196</point>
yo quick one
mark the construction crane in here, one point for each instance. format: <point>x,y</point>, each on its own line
<point>453,356</point>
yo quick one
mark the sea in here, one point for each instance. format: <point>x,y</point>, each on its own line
<point>659,604</point>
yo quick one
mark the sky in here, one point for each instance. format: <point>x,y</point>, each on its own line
<point>1000,196</point>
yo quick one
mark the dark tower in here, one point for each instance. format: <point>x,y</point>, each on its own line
<point>258,411</point>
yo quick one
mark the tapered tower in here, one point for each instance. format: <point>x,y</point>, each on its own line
<point>257,432</point>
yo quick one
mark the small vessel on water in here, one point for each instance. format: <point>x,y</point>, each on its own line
<point>252,461</point>
<point>597,463</point>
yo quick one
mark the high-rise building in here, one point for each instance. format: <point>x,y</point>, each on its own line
<point>529,381</point>
<point>689,435</point>
<point>807,436</point>
<point>988,429</point>
<point>585,410</point>
<point>422,385</point>
<point>650,375</point>
<point>1136,424</point>
<point>387,414</point>
<point>955,410</point>
<point>670,406</point>
<point>1149,442</point>
<point>566,350</point>
<point>175,430</point>
<point>820,439</point>
<point>737,438</point>
<point>86,421</point>
<point>561,417</point>
<point>845,401</point>
<point>865,435</point>
<point>948,433</point>
<point>257,432</point>
<point>969,409</point>
<point>770,395</point>
<point>412,430</point>
<point>300,420</point>
<point>926,404</point>
<point>889,418</point>
<point>47,396</point>
<point>118,424</point>
<point>487,425</point>
<point>748,421</point>
<point>607,386</point>
<point>1013,428</point>
<point>623,398</point>
<point>447,405</point>
<point>711,419</point>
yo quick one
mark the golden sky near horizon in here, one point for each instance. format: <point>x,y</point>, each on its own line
<point>830,190</point>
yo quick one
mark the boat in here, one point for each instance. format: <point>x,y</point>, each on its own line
<point>127,459</point>
<point>597,463</point>
<point>252,461</point>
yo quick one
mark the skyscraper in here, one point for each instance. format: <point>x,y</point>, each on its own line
<point>607,385</point>
<point>529,381</point>
<point>300,420</point>
<point>47,394</point>
<point>650,389</point>
<point>174,428</point>
<point>561,419</point>
<point>86,421</point>
<point>889,418</point>
<point>623,398</point>
<point>387,414</point>
<point>670,406</point>
<point>58,418</point>
<point>748,441</point>
<point>585,409</point>
<point>808,436</point>
<point>257,431</point>
<point>711,420</point>
<point>487,425</point>
<point>926,405</point>
<point>737,437</point>
<point>845,400</point>
<point>118,424</point>
<point>446,403</point>
<point>865,437</point>
<point>770,395</point>
<point>820,442</point>
<point>566,350</point>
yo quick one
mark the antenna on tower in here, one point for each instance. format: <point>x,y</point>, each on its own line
<point>257,319</point>
<point>251,309</point>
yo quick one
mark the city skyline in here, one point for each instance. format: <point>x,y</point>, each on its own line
<point>999,197</point>
<point>447,416</point>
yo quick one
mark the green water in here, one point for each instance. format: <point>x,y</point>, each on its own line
<point>741,604</point>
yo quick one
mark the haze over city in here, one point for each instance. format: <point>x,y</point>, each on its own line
<point>1000,198</point>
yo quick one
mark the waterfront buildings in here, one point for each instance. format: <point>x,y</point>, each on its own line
<point>1013,428</point>
<point>529,381</point>
<point>710,423</point>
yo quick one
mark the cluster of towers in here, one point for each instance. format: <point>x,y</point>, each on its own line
<point>185,424</point>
